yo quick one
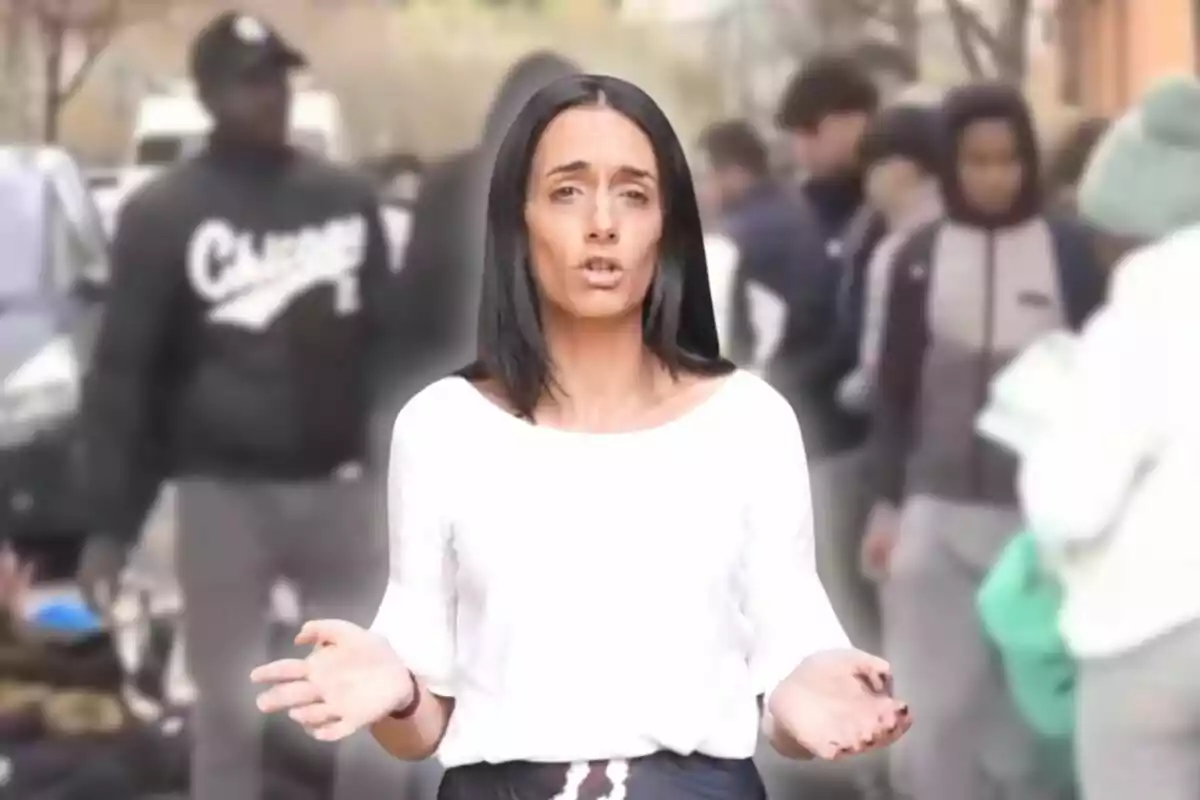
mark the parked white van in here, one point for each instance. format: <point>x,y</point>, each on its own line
<point>172,125</point>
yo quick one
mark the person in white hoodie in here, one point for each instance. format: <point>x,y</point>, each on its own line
<point>1110,490</point>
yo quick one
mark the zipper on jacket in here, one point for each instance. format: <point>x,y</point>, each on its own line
<point>985,360</point>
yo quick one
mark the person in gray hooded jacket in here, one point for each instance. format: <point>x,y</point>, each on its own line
<point>967,294</point>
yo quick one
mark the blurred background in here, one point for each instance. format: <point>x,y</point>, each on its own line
<point>76,71</point>
<point>95,100</point>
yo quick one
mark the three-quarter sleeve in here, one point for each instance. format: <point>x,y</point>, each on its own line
<point>789,613</point>
<point>418,611</point>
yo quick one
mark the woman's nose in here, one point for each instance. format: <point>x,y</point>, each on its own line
<point>602,228</point>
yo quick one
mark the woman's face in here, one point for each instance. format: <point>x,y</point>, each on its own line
<point>594,214</point>
<point>989,166</point>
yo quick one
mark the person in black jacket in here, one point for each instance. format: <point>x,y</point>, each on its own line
<point>436,294</point>
<point>783,271</point>
<point>825,110</point>
<point>237,356</point>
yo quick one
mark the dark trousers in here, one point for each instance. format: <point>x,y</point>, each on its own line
<point>661,776</point>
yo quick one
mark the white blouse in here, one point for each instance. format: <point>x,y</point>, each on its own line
<point>601,596</point>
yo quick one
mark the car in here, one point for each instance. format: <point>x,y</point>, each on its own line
<point>105,186</point>
<point>172,124</point>
<point>397,178</point>
<point>51,295</point>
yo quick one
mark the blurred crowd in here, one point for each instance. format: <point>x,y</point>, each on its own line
<point>1038,603</point>
<point>1025,593</point>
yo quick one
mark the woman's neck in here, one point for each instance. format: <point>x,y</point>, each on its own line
<point>602,374</point>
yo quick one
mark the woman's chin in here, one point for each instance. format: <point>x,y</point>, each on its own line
<point>603,306</point>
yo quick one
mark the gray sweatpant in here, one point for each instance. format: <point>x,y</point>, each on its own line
<point>1138,731</point>
<point>236,540</point>
<point>967,741</point>
<point>840,505</point>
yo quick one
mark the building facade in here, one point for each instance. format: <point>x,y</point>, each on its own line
<point>1111,51</point>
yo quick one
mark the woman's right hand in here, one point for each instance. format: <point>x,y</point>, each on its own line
<point>350,680</point>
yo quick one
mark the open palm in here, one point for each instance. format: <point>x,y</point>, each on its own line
<point>350,680</point>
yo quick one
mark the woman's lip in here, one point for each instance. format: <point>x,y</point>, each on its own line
<point>602,278</point>
<point>600,262</point>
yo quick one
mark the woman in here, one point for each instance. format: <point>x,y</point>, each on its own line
<point>602,535</point>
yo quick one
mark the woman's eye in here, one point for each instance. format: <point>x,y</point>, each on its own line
<point>564,193</point>
<point>636,196</point>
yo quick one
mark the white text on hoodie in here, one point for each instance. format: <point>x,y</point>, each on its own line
<point>250,281</point>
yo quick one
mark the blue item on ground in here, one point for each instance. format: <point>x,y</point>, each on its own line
<point>66,617</point>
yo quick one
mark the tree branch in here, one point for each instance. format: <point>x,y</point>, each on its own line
<point>869,9</point>
<point>973,24</point>
<point>90,58</point>
<point>1013,45</point>
<point>964,38</point>
<point>98,29</point>
<point>97,23</point>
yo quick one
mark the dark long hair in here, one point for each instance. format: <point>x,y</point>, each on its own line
<point>677,316</point>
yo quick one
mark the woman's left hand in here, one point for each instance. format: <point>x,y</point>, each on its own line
<point>838,703</point>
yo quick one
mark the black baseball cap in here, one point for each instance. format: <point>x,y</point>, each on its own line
<point>234,45</point>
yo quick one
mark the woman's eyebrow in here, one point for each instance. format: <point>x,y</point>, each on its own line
<point>576,167</point>
<point>570,168</point>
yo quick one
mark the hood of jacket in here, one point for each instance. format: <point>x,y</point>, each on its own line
<point>521,82</point>
<point>978,102</point>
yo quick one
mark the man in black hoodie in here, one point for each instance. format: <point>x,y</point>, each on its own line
<point>237,355</point>
<point>436,294</point>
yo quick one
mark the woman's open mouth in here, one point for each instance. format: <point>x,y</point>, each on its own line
<point>601,273</point>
